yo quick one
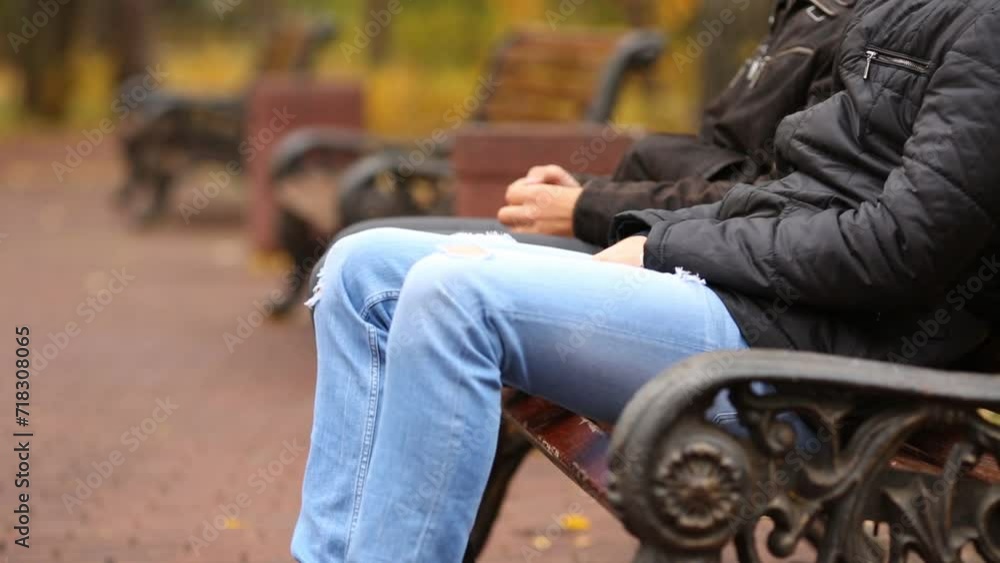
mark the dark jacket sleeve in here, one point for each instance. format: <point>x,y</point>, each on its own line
<point>602,199</point>
<point>933,219</point>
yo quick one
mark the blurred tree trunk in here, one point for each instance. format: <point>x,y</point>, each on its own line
<point>132,36</point>
<point>379,47</point>
<point>266,12</point>
<point>638,13</point>
<point>43,57</point>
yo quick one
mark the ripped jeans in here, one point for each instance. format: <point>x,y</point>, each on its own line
<point>416,333</point>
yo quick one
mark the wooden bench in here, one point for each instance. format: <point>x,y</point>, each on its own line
<point>170,131</point>
<point>534,76</point>
<point>909,448</point>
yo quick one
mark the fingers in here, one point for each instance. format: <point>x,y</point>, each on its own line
<point>552,174</point>
<point>538,178</point>
<point>528,192</point>
<point>517,216</point>
<point>521,191</point>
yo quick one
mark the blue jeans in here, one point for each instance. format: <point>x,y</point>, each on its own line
<point>416,333</point>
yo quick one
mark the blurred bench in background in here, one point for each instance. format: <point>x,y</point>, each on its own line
<point>487,158</point>
<point>171,131</point>
<point>336,104</point>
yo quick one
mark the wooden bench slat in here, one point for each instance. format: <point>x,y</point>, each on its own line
<point>552,89</point>
<point>507,112</point>
<point>575,445</point>
<point>571,59</point>
<point>933,448</point>
<point>545,76</point>
<point>566,41</point>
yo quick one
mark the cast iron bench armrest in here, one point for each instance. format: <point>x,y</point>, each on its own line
<point>323,143</point>
<point>636,51</point>
<point>327,147</point>
<point>685,487</point>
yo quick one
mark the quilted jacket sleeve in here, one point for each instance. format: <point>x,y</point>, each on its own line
<point>602,199</point>
<point>935,215</point>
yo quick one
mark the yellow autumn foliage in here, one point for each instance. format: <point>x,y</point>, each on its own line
<point>410,92</point>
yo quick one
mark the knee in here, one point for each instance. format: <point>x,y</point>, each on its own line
<point>445,295</point>
<point>351,253</point>
<point>351,256</point>
<point>367,242</point>
<point>446,278</point>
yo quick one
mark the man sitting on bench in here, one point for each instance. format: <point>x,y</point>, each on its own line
<point>792,68</point>
<point>887,197</point>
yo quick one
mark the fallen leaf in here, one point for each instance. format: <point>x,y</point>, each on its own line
<point>541,543</point>
<point>574,522</point>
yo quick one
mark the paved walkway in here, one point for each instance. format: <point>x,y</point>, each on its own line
<point>148,428</point>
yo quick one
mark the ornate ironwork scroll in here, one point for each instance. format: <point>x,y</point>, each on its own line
<point>831,476</point>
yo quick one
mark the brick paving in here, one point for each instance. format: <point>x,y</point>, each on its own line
<point>110,482</point>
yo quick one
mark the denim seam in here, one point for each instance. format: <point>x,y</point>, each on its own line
<point>609,330</point>
<point>454,440</point>
<point>368,441</point>
<point>377,299</point>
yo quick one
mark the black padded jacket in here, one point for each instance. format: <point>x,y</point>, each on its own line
<point>881,240</point>
<point>791,68</point>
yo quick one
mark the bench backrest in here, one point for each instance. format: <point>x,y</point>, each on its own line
<point>291,46</point>
<point>564,77</point>
<point>486,157</point>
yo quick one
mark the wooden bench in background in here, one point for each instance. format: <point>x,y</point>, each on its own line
<point>171,131</point>
<point>487,158</point>
<point>314,103</point>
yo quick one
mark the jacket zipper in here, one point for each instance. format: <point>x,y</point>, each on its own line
<point>894,59</point>
<point>754,66</point>
<point>758,65</point>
